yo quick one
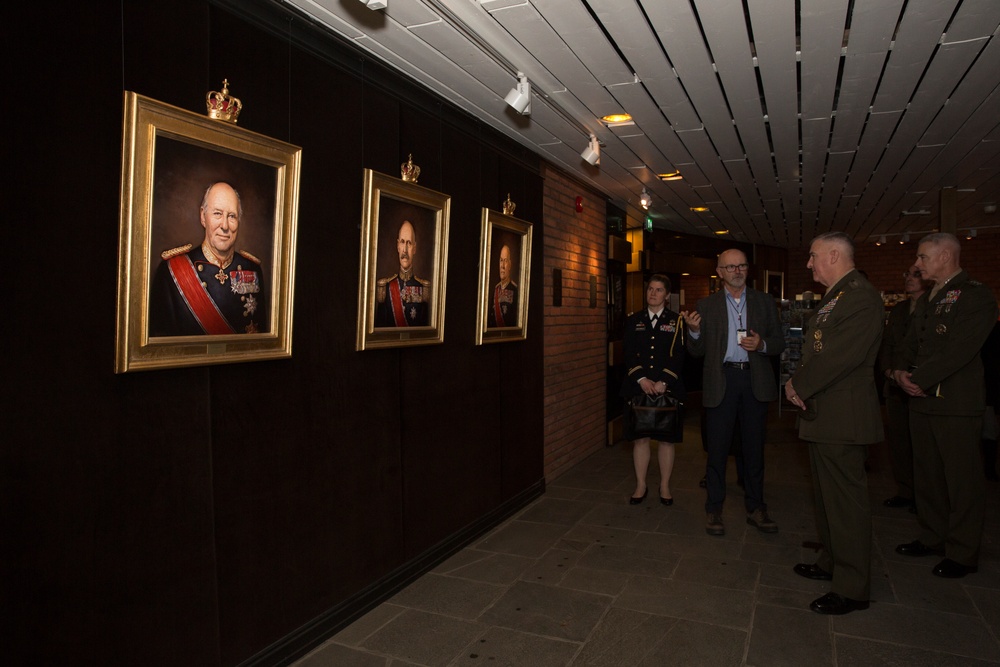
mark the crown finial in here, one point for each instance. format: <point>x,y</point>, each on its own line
<point>509,206</point>
<point>409,171</point>
<point>223,106</point>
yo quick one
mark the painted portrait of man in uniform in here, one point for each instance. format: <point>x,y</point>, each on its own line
<point>503,307</point>
<point>206,246</point>
<point>404,287</point>
<point>211,243</point>
<point>504,275</point>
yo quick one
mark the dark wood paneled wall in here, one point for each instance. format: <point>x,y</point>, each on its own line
<point>199,516</point>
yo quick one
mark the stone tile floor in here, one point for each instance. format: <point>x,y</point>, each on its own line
<point>580,577</point>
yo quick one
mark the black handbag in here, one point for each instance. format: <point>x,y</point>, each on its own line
<point>659,417</point>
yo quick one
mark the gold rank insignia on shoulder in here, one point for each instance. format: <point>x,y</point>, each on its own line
<point>252,258</point>
<point>818,346</point>
<point>818,335</point>
<point>940,329</point>
<point>174,252</point>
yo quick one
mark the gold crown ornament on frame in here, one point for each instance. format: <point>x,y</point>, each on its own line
<point>223,106</point>
<point>509,206</point>
<point>409,171</point>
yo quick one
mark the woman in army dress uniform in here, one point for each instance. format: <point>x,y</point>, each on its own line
<point>654,356</point>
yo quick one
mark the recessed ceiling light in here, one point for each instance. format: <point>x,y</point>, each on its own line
<point>613,119</point>
<point>699,209</point>
<point>670,176</point>
<point>722,231</point>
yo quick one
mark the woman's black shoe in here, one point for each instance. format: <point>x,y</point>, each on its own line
<point>636,501</point>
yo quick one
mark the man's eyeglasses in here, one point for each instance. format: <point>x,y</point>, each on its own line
<point>915,274</point>
<point>733,267</point>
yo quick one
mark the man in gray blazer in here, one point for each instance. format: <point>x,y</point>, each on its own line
<point>736,330</point>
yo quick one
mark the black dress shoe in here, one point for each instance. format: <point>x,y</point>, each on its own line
<point>831,603</point>
<point>636,501</point>
<point>898,501</point>
<point>917,548</point>
<point>666,501</point>
<point>949,569</point>
<point>812,572</point>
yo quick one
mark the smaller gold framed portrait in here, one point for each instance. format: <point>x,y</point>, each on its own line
<point>404,263</point>
<point>504,278</point>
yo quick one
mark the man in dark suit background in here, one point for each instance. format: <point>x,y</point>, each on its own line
<point>736,329</point>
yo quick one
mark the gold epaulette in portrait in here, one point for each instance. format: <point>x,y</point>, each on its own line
<point>380,287</point>
<point>249,256</point>
<point>174,252</point>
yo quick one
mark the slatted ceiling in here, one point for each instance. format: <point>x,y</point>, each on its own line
<point>978,84</point>
<point>974,19</point>
<point>820,60</point>
<point>677,29</point>
<point>935,87</point>
<point>574,24</point>
<point>978,167</point>
<point>815,138</point>
<point>919,31</point>
<point>873,23</point>
<point>854,175</point>
<point>857,88</point>
<point>773,24</point>
<point>739,172</point>
<point>773,228</point>
<point>700,146</point>
<point>526,25</point>
<point>725,30</point>
<point>876,135</point>
<point>648,157</point>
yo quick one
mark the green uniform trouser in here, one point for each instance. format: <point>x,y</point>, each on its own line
<point>843,516</point>
<point>949,483</point>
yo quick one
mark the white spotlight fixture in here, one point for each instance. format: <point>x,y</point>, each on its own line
<point>972,234</point>
<point>592,153</point>
<point>905,239</point>
<point>376,4</point>
<point>644,199</point>
<point>519,97</point>
<point>881,240</point>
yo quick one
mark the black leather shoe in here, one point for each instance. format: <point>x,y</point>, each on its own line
<point>917,548</point>
<point>898,501</point>
<point>831,603</point>
<point>949,569</point>
<point>666,501</point>
<point>812,572</point>
<point>638,501</point>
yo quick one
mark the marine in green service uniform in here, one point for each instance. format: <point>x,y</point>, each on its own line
<point>940,368</point>
<point>840,414</point>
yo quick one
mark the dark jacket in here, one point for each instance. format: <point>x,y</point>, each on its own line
<point>762,317</point>
<point>837,377</point>
<point>654,354</point>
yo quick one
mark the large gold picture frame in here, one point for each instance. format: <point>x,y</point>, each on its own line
<point>504,278</point>
<point>404,263</point>
<point>175,308</point>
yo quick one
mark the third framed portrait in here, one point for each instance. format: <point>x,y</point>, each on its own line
<point>504,278</point>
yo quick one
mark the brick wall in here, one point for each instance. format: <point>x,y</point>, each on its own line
<point>575,334</point>
<point>885,264</point>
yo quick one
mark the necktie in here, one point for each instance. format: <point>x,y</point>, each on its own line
<point>652,321</point>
